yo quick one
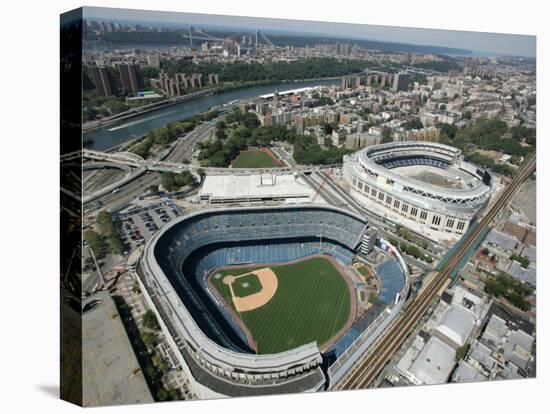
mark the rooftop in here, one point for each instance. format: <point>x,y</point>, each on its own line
<point>457,324</point>
<point>435,363</point>
<point>466,373</point>
<point>111,373</point>
<point>501,240</point>
<point>528,275</point>
<point>255,185</point>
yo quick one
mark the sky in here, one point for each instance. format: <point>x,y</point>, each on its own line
<point>496,43</point>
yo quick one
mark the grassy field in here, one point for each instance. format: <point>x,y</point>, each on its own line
<point>246,285</point>
<point>312,303</point>
<point>364,272</point>
<point>254,159</point>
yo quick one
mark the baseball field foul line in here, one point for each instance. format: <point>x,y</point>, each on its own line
<point>268,280</point>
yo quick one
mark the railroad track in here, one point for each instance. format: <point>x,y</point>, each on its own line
<point>320,191</point>
<point>376,358</point>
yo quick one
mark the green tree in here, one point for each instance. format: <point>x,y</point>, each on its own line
<point>372,297</point>
<point>414,124</point>
<point>461,352</point>
<point>328,127</point>
<point>386,136</point>
<point>149,339</point>
<point>107,228</point>
<point>150,320</point>
<point>94,242</point>
<point>168,181</point>
<point>440,66</point>
<point>515,291</point>
<point>449,130</point>
<point>523,261</point>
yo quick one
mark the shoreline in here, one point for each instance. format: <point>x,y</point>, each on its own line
<point>173,101</point>
<point>131,113</point>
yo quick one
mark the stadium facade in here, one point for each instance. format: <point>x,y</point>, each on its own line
<point>210,346</point>
<point>439,211</point>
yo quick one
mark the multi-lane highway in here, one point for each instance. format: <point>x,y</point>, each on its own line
<point>379,354</point>
<point>114,201</point>
<point>183,148</point>
<point>127,191</point>
<point>96,179</point>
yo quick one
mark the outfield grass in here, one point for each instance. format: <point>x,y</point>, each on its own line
<point>254,159</point>
<point>246,285</point>
<point>364,271</point>
<point>312,303</point>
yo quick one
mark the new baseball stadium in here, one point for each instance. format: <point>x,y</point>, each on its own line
<point>425,186</point>
<point>263,300</point>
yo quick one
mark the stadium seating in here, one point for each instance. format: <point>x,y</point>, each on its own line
<point>392,280</point>
<point>192,248</point>
<point>396,162</point>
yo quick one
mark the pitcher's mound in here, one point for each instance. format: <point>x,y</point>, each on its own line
<point>268,281</point>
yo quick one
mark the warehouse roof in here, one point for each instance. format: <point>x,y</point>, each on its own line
<point>466,373</point>
<point>457,324</point>
<point>528,275</point>
<point>501,240</point>
<point>255,185</point>
<point>435,363</point>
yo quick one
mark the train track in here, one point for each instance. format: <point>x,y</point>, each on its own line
<point>321,191</point>
<point>376,358</point>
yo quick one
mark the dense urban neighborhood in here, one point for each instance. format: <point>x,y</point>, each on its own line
<point>266,213</point>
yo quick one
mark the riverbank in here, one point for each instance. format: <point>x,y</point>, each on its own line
<point>108,136</point>
<point>108,121</point>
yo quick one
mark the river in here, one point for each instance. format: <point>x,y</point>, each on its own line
<point>114,134</point>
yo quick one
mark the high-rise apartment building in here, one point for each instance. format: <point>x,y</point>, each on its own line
<point>401,82</point>
<point>129,78</point>
<point>102,79</point>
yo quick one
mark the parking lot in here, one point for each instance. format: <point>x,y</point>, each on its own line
<point>138,225</point>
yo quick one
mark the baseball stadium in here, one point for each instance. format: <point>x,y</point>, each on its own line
<point>425,186</point>
<point>260,300</point>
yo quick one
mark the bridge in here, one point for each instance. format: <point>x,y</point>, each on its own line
<point>193,33</point>
<point>155,164</point>
<point>139,166</point>
<point>125,157</point>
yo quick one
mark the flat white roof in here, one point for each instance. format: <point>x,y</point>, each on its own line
<point>435,363</point>
<point>457,324</point>
<point>255,185</point>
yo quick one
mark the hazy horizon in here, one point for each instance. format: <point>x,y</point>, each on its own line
<point>477,42</point>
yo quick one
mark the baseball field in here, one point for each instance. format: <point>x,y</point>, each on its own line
<point>288,305</point>
<point>261,158</point>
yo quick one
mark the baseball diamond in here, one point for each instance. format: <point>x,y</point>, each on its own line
<point>244,285</point>
<point>312,303</point>
<point>259,300</point>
